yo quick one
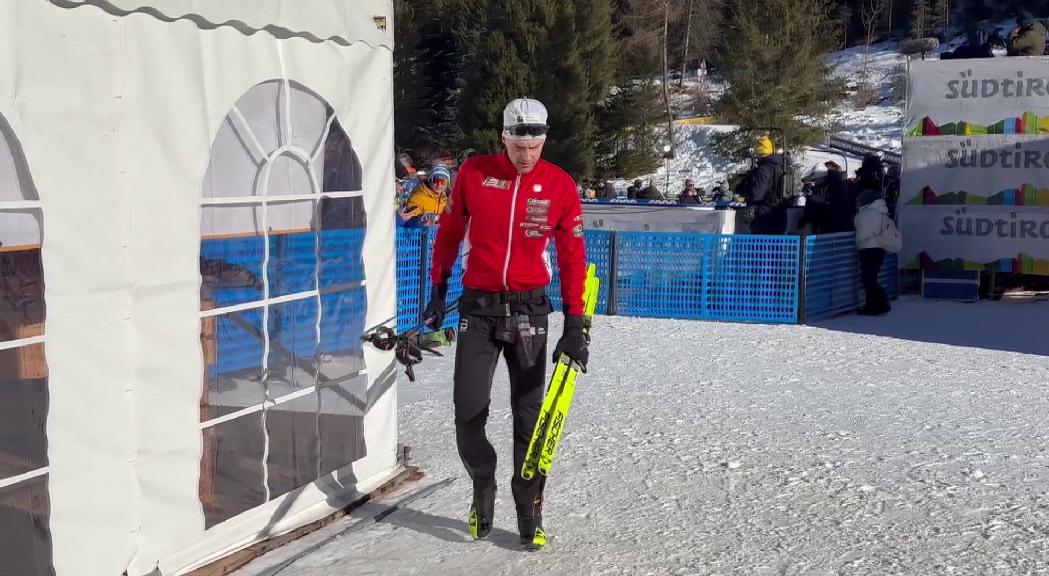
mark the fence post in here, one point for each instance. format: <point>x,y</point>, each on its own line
<point>613,274</point>
<point>802,278</point>
<point>424,268</point>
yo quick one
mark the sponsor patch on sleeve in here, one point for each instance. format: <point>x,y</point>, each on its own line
<point>577,231</point>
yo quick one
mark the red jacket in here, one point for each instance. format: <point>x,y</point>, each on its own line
<point>506,220</point>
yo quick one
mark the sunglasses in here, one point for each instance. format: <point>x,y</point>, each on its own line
<point>439,181</point>
<point>527,130</point>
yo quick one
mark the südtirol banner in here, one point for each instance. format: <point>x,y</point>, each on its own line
<point>974,189</point>
<point>978,97</point>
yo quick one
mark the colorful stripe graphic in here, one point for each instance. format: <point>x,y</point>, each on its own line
<point>1022,264</point>
<point>1028,123</point>
<point>1025,195</point>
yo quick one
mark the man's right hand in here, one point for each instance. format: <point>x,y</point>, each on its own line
<point>436,309</point>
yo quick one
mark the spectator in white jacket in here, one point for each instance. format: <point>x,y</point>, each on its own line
<point>876,234</point>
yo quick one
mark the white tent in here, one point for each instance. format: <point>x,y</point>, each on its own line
<point>195,229</point>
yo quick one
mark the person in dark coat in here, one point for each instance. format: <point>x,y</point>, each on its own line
<point>650,193</point>
<point>690,195</point>
<point>976,46</point>
<point>840,201</point>
<point>871,174</point>
<point>635,190</point>
<point>762,190</point>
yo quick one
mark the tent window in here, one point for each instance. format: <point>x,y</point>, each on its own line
<point>24,398</point>
<point>282,300</point>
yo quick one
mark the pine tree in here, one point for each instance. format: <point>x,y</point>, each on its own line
<point>563,85</point>
<point>502,69</point>
<point>630,123</point>
<point>598,49</point>
<point>773,61</point>
<point>575,68</point>
<point>408,97</point>
<point>434,47</point>
<point>560,52</point>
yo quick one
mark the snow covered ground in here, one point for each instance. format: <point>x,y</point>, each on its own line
<point>879,124</point>
<point>915,444</point>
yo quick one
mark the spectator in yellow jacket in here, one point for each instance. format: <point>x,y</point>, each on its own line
<point>429,198</point>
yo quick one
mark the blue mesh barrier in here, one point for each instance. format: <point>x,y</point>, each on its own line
<point>832,276</point>
<point>412,246</point>
<point>890,276</point>
<point>455,283</point>
<point>414,253</point>
<point>599,252</point>
<point>751,278</point>
<point>739,278</point>
<point>235,278</point>
<point>832,279</point>
<point>707,277</point>
<point>341,257</point>
<point>293,263</point>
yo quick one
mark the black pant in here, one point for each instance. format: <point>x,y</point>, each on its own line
<point>762,220</point>
<point>477,353</point>
<point>871,260</point>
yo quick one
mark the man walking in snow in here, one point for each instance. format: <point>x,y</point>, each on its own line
<point>506,208</point>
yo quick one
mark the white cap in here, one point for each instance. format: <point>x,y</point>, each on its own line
<point>524,112</point>
<point>816,173</point>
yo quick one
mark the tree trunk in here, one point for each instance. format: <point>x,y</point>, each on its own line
<point>684,53</point>
<point>947,21</point>
<point>891,2</point>
<point>666,72</point>
<point>866,55</point>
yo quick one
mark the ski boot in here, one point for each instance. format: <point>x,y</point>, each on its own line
<point>531,530</point>
<point>482,512</point>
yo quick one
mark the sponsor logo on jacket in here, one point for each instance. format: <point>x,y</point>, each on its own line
<point>493,182</point>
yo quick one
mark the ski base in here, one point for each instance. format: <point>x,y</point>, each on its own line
<point>549,426</point>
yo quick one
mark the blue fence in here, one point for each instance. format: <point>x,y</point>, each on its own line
<point>832,280</point>
<point>707,277</point>
<point>232,275</point>
<point>738,278</point>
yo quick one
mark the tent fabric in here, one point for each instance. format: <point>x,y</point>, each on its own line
<point>120,120</point>
<point>342,21</point>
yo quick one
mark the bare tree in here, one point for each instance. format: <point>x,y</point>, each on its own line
<point>684,51</point>
<point>700,30</point>
<point>650,21</point>
<point>945,6</point>
<point>888,27</point>
<point>921,19</point>
<point>871,15</point>
<point>666,70</point>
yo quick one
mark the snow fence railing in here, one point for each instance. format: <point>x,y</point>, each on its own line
<point>733,278</point>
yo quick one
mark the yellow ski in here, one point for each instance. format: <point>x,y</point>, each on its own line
<point>542,448</point>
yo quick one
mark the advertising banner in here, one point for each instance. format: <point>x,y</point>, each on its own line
<point>974,189</point>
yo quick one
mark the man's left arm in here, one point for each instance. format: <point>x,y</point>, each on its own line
<point>571,252</point>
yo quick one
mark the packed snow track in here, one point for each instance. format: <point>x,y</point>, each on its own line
<point>913,444</point>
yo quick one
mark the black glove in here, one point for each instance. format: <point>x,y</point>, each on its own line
<point>574,343</point>
<point>436,309</point>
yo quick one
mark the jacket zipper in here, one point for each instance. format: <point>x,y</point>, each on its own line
<point>510,235</point>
